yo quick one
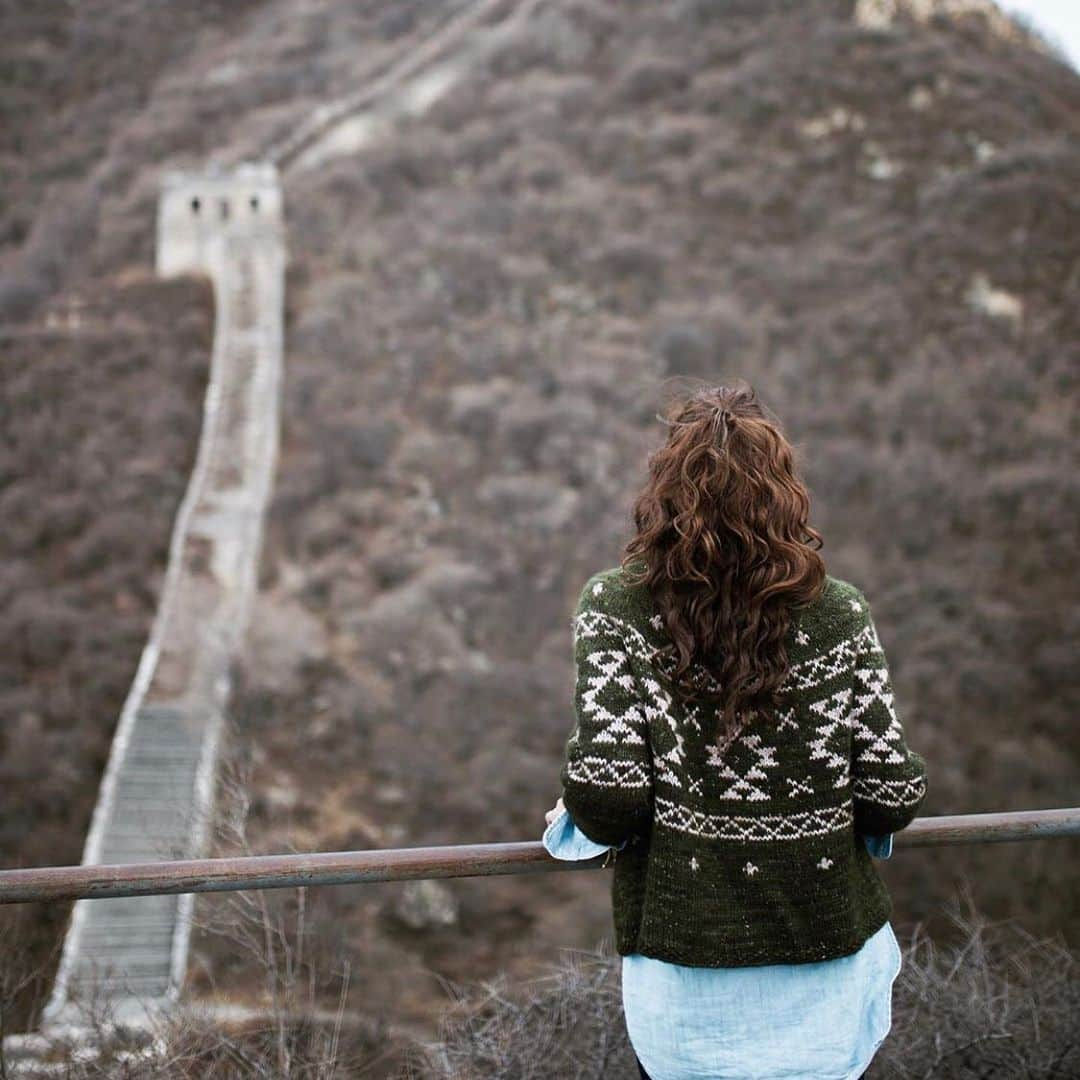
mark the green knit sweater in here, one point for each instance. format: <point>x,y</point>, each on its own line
<point>750,853</point>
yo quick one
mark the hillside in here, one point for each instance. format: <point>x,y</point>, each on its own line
<point>877,228</point>
<point>101,409</point>
<point>874,221</point>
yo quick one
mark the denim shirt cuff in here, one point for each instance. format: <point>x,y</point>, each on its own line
<point>880,847</point>
<point>564,840</point>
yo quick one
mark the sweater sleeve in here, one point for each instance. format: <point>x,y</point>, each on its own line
<point>607,771</point>
<point>888,778</point>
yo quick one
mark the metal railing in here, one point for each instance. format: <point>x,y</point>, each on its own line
<point>53,883</point>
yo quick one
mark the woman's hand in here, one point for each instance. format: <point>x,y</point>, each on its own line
<point>555,811</point>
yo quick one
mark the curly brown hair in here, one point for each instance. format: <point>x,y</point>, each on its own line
<point>727,550</point>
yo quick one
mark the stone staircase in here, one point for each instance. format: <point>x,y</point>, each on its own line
<point>126,944</point>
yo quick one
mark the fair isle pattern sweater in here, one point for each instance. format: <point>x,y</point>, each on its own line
<point>750,852</point>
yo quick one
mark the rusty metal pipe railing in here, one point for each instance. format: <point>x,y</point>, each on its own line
<point>468,860</point>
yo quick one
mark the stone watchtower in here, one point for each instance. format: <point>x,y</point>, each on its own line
<point>197,211</point>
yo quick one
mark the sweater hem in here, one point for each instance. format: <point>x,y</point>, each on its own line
<point>808,954</point>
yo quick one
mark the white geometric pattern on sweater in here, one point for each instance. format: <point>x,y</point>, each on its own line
<point>612,666</point>
<point>785,718</point>
<point>607,773</point>
<point>875,746</point>
<point>741,787</point>
<point>658,705</point>
<point>666,664</point>
<point>803,675</point>
<point>654,703</point>
<point>693,717</point>
<point>798,787</point>
<point>796,826</point>
<point>638,647</point>
<point>837,660</point>
<point>889,792</point>
<point>590,623</point>
<point>626,673</point>
<point>831,742</point>
<point>872,745</point>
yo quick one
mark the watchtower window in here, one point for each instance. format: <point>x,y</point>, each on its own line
<point>255,203</point>
<point>224,209</point>
<point>196,205</point>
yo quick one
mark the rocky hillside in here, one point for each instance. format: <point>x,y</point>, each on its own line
<point>870,216</point>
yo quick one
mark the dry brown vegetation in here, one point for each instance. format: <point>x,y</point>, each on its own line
<point>101,417</point>
<point>875,227</point>
<point>996,1002</point>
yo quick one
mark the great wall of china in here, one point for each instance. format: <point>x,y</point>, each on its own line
<point>155,796</point>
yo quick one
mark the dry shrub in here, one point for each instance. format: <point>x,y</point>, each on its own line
<point>101,423</point>
<point>1001,1002</point>
<point>568,1023</point>
<point>291,1024</point>
<point>998,1003</point>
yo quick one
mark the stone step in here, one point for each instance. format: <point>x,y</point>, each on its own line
<point>103,949</point>
<point>157,804</point>
<point>167,803</point>
<point>166,744</point>
<point>132,915</point>
<point>168,824</point>
<point>133,910</point>
<point>149,985</point>
<point>126,854</point>
<point>137,907</point>
<point>156,845</point>
<point>137,850</point>
<point>151,779</point>
<point>183,740</point>
<point>152,816</point>
<point>163,762</point>
<point>133,961</point>
<point>99,931</point>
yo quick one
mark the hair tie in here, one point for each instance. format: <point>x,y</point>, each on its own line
<point>723,418</point>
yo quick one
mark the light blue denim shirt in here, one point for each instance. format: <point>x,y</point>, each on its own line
<point>812,1021</point>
